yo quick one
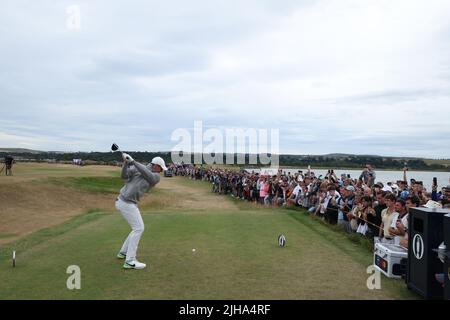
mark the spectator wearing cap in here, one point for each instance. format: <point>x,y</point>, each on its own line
<point>395,189</point>
<point>377,187</point>
<point>332,205</point>
<point>403,190</point>
<point>387,189</point>
<point>388,216</point>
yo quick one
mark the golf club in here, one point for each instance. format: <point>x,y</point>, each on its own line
<point>115,148</point>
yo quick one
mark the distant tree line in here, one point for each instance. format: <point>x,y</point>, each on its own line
<point>302,161</point>
<point>360,161</point>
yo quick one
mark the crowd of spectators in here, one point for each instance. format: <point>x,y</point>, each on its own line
<point>357,204</point>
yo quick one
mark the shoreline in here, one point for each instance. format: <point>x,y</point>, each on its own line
<point>349,168</point>
<point>240,166</point>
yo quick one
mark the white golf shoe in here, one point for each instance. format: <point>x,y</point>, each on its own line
<point>134,265</point>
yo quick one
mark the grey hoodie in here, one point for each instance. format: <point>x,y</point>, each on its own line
<point>139,180</point>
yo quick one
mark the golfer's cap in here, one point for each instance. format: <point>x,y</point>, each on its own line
<point>395,186</point>
<point>160,161</point>
<point>350,188</point>
<point>447,187</point>
<point>387,189</point>
<point>433,205</point>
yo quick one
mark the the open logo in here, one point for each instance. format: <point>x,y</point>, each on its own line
<point>418,247</point>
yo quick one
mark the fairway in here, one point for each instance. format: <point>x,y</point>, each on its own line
<point>236,257</point>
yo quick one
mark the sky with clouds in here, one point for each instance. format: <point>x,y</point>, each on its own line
<point>345,76</point>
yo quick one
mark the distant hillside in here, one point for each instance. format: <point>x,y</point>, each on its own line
<point>342,155</point>
<point>336,160</point>
<point>442,162</point>
<point>20,150</point>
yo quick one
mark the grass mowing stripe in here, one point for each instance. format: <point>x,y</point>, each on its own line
<point>90,184</point>
<point>46,234</point>
<point>7,235</point>
<point>335,236</point>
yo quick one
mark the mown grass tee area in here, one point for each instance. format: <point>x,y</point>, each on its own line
<point>70,220</point>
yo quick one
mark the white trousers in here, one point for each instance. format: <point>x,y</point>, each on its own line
<point>131,213</point>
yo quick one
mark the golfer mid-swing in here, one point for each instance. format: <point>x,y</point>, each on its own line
<point>140,179</point>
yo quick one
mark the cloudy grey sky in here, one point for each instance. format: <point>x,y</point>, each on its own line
<point>347,76</point>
